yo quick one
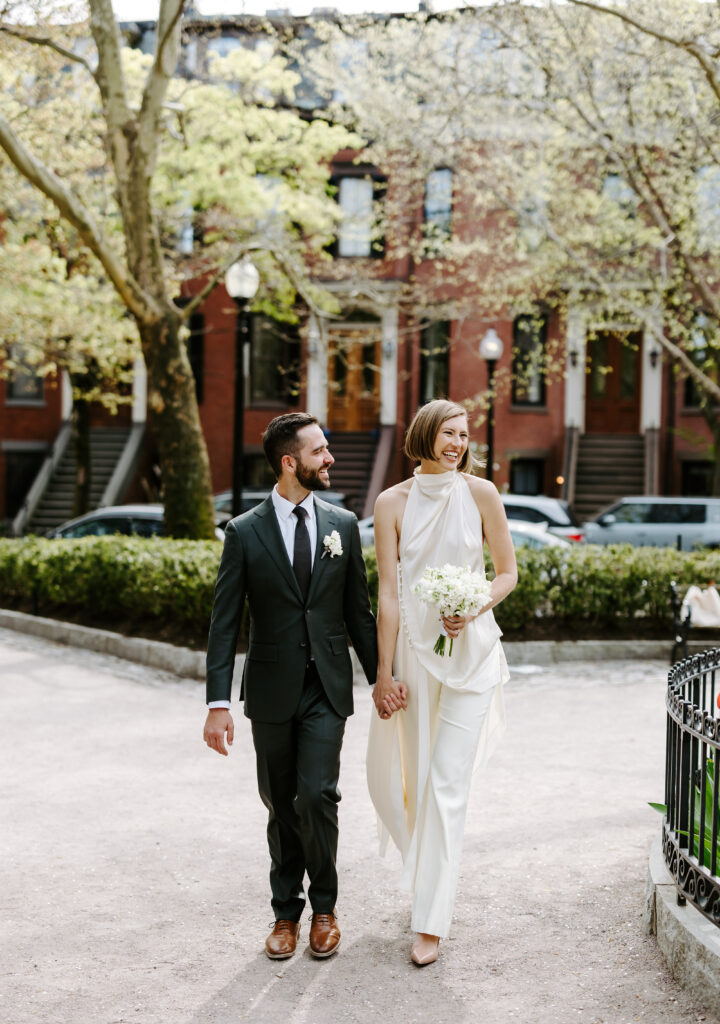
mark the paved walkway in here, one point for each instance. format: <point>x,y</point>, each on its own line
<point>134,864</point>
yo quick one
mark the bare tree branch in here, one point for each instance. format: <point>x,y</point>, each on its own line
<point>50,43</point>
<point>163,68</point>
<point>599,282</point>
<point>680,44</point>
<point>75,212</point>
<point>109,75</point>
<point>213,282</point>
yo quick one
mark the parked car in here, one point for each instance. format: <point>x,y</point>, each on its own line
<point>538,508</point>
<point>130,520</point>
<point>367,531</point>
<point>534,535</point>
<point>524,534</point>
<point>649,521</point>
<point>253,497</point>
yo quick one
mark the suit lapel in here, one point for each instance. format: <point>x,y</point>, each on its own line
<point>325,522</point>
<point>267,530</point>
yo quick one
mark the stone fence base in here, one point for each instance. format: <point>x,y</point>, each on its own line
<point>689,942</point>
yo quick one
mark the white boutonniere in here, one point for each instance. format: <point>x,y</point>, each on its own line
<point>332,544</point>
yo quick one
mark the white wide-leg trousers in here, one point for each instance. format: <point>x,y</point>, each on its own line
<point>441,821</point>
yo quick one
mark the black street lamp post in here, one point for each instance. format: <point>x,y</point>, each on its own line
<point>491,349</point>
<point>241,281</point>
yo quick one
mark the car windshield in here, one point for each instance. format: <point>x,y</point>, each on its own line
<point>98,527</point>
<point>560,516</point>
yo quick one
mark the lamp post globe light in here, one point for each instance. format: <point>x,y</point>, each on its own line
<point>491,349</point>
<point>241,282</point>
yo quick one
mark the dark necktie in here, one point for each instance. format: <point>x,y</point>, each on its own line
<point>302,563</point>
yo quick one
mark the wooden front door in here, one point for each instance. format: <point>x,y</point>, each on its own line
<point>354,354</point>
<point>612,399</point>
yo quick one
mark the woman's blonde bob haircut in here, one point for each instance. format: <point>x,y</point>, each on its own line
<point>425,427</point>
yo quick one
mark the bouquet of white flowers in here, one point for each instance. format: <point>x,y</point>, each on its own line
<point>454,590</point>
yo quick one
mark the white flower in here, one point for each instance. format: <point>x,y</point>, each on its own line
<point>332,544</point>
<point>454,590</point>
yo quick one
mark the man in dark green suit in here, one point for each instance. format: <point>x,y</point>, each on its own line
<point>298,561</point>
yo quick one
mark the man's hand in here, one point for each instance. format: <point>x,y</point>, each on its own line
<point>218,722</point>
<point>389,695</point>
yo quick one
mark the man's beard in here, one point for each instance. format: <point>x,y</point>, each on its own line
<point>310,478</point>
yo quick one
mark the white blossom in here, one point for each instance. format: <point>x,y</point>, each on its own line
<point>332,544</point>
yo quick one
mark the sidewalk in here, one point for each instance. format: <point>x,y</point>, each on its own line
<point>135,885</point>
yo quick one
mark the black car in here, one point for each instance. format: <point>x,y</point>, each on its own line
<point>253,497</point>
<point>129,520</point>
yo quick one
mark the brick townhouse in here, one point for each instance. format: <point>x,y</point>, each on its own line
<point>365,373</point>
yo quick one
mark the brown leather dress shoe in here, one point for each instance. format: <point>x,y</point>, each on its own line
<point>282,940</point>
<point>324,935</point>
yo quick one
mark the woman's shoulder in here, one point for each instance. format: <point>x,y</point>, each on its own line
<point>483,491</point>
<point>395,495</point>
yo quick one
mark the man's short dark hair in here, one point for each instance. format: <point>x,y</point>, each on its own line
<point>280,437</point>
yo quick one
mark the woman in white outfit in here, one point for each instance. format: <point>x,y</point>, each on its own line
<point>437,716</point>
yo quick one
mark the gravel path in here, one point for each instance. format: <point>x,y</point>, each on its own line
<point>135,870</point>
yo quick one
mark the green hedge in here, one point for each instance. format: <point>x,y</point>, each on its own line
<point>602,586</point>
<point>170,582</point>
<point>114,577</point>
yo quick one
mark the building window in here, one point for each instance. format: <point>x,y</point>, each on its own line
<point>617,190</point>
<point>351,56</point>
<point>223,46</point>
<point>195,344</point>
<point>196,353</point>
<point>357,235</point>
<point>434,361</point>
<point>274,361</point>
<point>21,468</point>
<point>527,476</point>
<point>257,472</point>
<point>708,207</point>
<point>697,478</point>
<point>699,342</point>
<point>23,383</point>
<point>438,207</point>
<point>528,359</point>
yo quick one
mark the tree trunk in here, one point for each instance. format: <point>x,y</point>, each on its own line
<point>81,446</point>
<point>173,409</point>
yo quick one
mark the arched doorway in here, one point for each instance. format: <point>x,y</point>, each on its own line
<point>612,403</point>
<point>354,360</point>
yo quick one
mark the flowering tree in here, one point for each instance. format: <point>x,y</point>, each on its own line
<point>582,145</point>
<point>124,179</point>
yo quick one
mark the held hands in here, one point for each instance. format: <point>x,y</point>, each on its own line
<point>454,624</point>
<point>389,695</point>
<point>218,722</point>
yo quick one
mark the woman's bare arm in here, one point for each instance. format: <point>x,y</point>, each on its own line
<point>497,534</point>
<point>387,693</point>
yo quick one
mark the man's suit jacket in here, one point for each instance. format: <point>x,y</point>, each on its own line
<point>255,565</point>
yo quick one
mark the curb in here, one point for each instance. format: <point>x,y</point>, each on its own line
<point>182,661</point>
<point>689,942</point>
<point>551,652</point>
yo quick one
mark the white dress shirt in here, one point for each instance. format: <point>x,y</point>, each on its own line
<point>288,523</point>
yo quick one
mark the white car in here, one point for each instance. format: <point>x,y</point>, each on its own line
<point>367,531</point>
<point>534,535</point>
<point>652,521</point>
<point>556,514</point>
<point>524,535</point>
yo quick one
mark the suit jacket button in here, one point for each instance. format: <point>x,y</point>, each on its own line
<point>303,643</point>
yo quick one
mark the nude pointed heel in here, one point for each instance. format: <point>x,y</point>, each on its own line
<point>424,952</point>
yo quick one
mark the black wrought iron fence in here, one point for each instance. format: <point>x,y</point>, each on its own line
<point>692,771</point>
